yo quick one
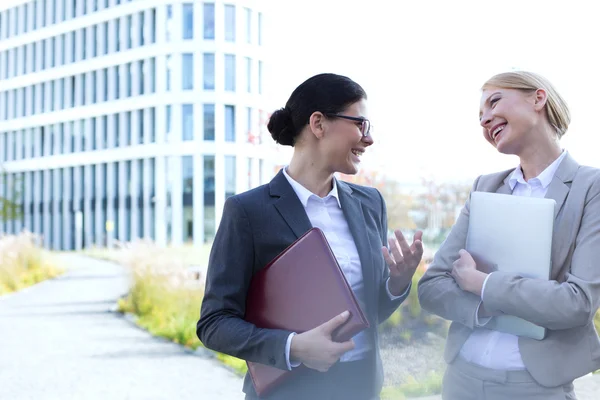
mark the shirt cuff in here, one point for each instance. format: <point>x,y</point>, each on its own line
<point>392,297</point>
<point>288,346</point>
<point>479,322</point>
<point>483,286</point>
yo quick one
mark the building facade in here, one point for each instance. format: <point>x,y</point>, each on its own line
<point>129,119</point>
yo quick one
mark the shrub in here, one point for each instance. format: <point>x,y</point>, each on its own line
<point>23,263</point>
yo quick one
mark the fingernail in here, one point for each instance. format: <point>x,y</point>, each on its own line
<point>344,314</point>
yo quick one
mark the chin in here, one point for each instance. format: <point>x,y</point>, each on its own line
<point>349,169</point>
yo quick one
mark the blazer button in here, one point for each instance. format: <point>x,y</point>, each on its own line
<point>272,360</point>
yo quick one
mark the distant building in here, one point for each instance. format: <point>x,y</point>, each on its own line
<point>126,119</point>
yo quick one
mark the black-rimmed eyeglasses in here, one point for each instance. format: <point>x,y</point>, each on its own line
<point>365,124</point>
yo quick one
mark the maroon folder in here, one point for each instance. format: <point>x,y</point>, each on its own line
<point>302,288</point>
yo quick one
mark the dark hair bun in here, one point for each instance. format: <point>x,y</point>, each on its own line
<point>281,127</point>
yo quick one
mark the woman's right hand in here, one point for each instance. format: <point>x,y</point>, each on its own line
<point>315,348</point>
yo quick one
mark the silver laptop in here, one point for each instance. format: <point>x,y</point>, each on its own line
<point>512,234</point>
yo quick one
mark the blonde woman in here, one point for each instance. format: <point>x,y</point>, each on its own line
<point>522,114</point>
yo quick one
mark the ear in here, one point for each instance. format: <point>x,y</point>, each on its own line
<point>317,124</point>
<point>541,97</point>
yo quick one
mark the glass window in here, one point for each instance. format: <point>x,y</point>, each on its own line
<point>143,67</point>
<point>52,52</point>
<point>152,74</point>
<point>230,123</point>
<point>140,119</point>
<point>117,81</point>
<point>187,169</point>
<point>169,27</point>
<point>83,89</point>
<point>33,59</point>
<point>168,122</point>
<point>105,84</point>
<point>93,135</point>
<point>209,20</point>
<point>128,129</point>
<point>153,27</point>
<point>251,136</point>
<point>249,74</point>
<point>187,71</point>
<point>141,17</point>
<point>260,73</point>
<point>188,21</point>
<point>82,40</point>
<point>209,198</point>
<point>209,122</point>
<point>260,29</point>
<point>152,125</point>
<point>248,13</point>
<point>94,51</point>
<point>169,65</point>
<point>129,79</point>
<point>105,38</point>
<point>187,122</point>
<point>229,23</point>
<point>230,178</point>
<point>129,31</point>
<point>63,47</point>
<point>118,34</point>
<point>230,72</point>
<point>209,71</point>
<point>25,12</point>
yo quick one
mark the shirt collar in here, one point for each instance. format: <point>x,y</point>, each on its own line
<point>304,194</point>
<point>544,178</point>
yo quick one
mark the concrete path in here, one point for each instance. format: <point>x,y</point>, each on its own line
<point>59,340</point>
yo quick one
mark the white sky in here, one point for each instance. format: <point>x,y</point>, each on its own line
<point>422,64</point>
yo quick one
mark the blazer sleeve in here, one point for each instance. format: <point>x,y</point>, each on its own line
<point>221,326</point>
<point>387,306</point>
<point>551,304</point>
<point>438,291</point>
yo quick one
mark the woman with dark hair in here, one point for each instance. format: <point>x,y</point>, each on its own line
<point>325,121</point>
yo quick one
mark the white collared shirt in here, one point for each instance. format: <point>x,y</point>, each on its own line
<point>327,214</point>
<point>499,350</point>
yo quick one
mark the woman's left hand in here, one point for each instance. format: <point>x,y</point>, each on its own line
<point>466,275</point>
<point>403,261</point>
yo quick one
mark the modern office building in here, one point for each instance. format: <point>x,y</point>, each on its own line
<point>125,119</point>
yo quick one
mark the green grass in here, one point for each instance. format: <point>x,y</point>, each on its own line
<point>23,263</point>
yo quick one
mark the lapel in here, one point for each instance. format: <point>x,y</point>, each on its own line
<point>354,214</point>
<point>288,205</point>
<point>563,232</point>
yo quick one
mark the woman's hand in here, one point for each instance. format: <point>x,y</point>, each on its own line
<point>316,349</point>
<point>466,275</point>
<point>403,261</point>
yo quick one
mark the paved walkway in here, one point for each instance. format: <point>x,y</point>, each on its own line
<point>59,340</point>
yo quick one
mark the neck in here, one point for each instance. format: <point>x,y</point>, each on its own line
<point>310,174</point>
<point>539,157</point>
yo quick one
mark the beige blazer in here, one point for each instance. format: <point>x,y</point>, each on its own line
<point>565,305</point>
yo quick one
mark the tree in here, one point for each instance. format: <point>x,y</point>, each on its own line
<point>10,207</point>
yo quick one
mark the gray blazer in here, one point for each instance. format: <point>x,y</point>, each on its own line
<point>256,226</point>
<point>565,305</point>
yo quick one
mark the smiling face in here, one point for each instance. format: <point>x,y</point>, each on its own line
<point>342,143</point>
<point>509,116</point>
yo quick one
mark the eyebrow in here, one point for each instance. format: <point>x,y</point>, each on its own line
<point>487,101</point>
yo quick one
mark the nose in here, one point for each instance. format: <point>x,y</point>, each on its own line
<point>485,120</point>
<point>368,140</point>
